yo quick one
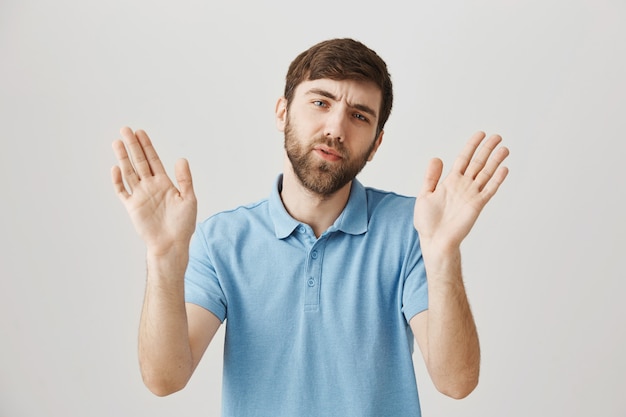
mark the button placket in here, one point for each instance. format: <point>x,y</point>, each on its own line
<point>313,276</point>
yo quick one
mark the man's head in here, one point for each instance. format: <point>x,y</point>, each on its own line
<point>337,99</point>
<point>342,59</point>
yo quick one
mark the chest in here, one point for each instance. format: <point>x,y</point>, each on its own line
<point>336,275</point>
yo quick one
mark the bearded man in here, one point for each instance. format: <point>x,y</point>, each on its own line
<point>325,284</point>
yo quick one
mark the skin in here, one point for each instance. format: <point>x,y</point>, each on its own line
<point>342,121</point>
<point>332,125</point>
<point>445,212</point>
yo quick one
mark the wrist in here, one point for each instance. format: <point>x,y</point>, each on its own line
<point>442,262</point>
<point>440,252</point>
<point>167,248</point>
<point>167,262</point>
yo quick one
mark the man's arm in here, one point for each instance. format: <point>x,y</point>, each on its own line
<point>444,215</point>
<point>172,336</point>
<point>446,334</point>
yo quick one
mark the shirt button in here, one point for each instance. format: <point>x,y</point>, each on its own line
<point>311,282</point>
<point>301,229</point>
<point>314,254</point>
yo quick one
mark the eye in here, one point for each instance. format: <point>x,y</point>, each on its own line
<point>360,117</point>
<point>319,103</point>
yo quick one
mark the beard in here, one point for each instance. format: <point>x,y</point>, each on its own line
<point>322,177</point>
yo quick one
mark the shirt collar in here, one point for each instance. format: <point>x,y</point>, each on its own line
<point>352,220</point>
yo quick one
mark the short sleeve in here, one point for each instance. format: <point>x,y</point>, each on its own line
<point>415,291</point>
<point>202,285</point>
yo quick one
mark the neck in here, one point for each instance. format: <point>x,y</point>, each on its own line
<point>318,211</point>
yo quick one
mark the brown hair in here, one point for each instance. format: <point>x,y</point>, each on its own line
<point>342,59</point>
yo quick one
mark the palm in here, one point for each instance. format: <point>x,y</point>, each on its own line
<point>162,214</point>
<point>446,211</point>
<point>159,212</point>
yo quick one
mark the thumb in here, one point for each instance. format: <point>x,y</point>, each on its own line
<point>183,178</point>
<point>432,176</point>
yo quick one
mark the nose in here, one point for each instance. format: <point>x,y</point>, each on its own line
<point>335,125</point>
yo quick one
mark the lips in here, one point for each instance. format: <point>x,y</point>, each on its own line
<point>327,153</point>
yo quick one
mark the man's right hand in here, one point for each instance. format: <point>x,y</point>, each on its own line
<point>163,215</point>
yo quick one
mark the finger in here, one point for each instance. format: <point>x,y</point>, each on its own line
<point>464,158</point>
<point>432,176</point>
<point>482,156</point>
<point>152,158</point>
<point>183,179</point>
<point>137,155</point>
<point>125,164</point>
<point>494,183</point>
<point>118,183</point>
<point>487,173</point>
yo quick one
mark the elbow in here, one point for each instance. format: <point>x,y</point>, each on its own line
<point>163,386</point>
<point>457,392</point>
<point>163,390</point>
<point>458,389</point>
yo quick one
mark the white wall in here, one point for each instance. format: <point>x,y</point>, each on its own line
<point>543,266</point>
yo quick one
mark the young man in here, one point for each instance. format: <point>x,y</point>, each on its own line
<point>325,284</point>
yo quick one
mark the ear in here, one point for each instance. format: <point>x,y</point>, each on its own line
<point>377,143</point>
<point>281,114</point>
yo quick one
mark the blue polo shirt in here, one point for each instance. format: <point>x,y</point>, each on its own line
<point>314,326</point>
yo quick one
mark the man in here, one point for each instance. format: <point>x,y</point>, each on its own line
<point>325,284</point>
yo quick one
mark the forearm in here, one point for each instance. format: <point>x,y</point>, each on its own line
<point>453,354</point>
<point>164,351</point>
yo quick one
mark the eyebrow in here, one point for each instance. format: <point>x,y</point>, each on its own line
<point>361,107</point>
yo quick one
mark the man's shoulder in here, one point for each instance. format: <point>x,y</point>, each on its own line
<point>388,200</point>
<point>380,193</point>
<point>252,212</point>
<point>389,211</point>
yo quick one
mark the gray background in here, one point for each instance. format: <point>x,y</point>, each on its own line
<point>542,266</point>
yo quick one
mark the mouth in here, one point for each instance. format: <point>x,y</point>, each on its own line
<point>326,153</point>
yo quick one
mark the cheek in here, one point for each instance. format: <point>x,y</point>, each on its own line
<point>304,130</point>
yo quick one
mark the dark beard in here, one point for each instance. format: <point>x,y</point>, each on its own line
<point>319,177</point>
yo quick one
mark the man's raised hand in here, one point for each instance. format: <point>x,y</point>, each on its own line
<point>445,211</point>
<point>163,215</point>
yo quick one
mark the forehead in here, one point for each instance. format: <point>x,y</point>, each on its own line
<point>353,92</point>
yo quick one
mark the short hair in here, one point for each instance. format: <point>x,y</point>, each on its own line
<point>342,59</point>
